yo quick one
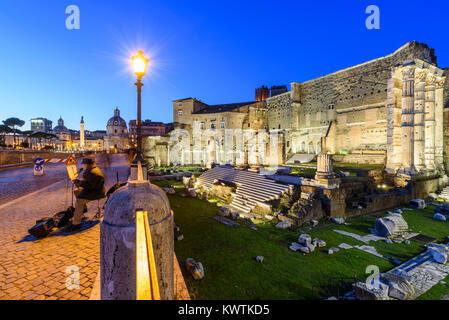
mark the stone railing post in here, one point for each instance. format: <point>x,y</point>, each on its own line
<point>118,241</point>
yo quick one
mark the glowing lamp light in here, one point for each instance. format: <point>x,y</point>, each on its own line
<point>140,64</point>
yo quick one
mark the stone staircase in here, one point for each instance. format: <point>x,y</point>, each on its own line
<point>252,188</point>
<point>301,158</point>
<point>445,193</point>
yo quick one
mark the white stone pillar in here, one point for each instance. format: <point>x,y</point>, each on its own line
<point>394,111</point>
<point>439,109</point>
<point>419,119</point>
<point>430,122</point>
<point>408,89</point>
<point>168,155</point>
<point>82,134</point>
<point>212,155</point>
<point>324,164</point>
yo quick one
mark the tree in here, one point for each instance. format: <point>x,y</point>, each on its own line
<point>43,135</point>
<point>28,135</point>
<point>3,131</point>
<point>25,144</point>
<point>13,123</point>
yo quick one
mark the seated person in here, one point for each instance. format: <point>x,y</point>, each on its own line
<point>90,187</point>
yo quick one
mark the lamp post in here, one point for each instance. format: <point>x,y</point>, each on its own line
<point>140,64</point>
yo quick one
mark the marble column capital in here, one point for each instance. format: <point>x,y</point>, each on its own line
<point>440,83</point>
<point>420,75</point>
<point>408,73</point>
<point>431,79</point>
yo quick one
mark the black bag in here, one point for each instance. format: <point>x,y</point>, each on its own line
<point>114,188</point>
<point>42,228</point>
<point>63,218</point>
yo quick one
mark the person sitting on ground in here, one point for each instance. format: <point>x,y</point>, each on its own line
<point>90,187</point>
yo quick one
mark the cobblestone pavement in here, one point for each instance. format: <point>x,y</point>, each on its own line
<point>19,182</point>
<point>41,269</point>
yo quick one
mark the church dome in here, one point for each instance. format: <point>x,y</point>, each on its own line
<point>60,128</point>
<point>116,120</point>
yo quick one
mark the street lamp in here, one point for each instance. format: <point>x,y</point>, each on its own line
<point>140,64</point>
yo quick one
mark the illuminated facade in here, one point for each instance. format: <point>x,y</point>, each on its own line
<point>117,138</point>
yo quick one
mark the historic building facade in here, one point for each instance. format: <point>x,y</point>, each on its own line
<point>205,134</point>
<point>73,140</point>
<point>388,110</point>
<point>148,128</point>
<point>41,125</point>
<point>116,139</point>
<point>64,136</point>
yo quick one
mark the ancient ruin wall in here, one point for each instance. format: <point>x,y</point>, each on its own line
<point>279,111</point>
<point>355,98</point>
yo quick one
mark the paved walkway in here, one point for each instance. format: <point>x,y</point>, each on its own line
<point>19,182</point>
<point>39,269</point>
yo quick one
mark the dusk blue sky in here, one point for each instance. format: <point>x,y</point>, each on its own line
<point>217,51</point>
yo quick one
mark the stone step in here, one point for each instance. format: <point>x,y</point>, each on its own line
<point>256,189</point>
<point>241,197</point>
<point>260,191</point>
<point>267,186</point>
<point>244,203</point>
<point>255,197</point>
<point>250,216</point>
<point>265,182</point>
<point>229,174</point>
<point>252,188</point>
<point>239,208</point>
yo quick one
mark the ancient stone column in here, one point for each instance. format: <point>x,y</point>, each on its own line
<point>168,155</point>
<point>212,153</point>
<point>408,82</point>
<point>324,164</point>
<point>419,119</point>
<point>439,109</point>
<point>118,260</point>
<point>430,122</point>
<point>82,134</point>
<point>394,113</point>
<point>324,176</point>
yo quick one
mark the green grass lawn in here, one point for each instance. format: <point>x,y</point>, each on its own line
<point>181,168</point>
<point>309,169</point>
<point>231,271</point>
<point>366,166</point>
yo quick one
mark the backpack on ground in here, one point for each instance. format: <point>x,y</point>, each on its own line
<point>44,226</point>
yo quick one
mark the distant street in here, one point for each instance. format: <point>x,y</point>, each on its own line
<point>19,182</point>
<point>36,269</point>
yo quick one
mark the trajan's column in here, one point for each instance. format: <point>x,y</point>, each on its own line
<point>82,133</point>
